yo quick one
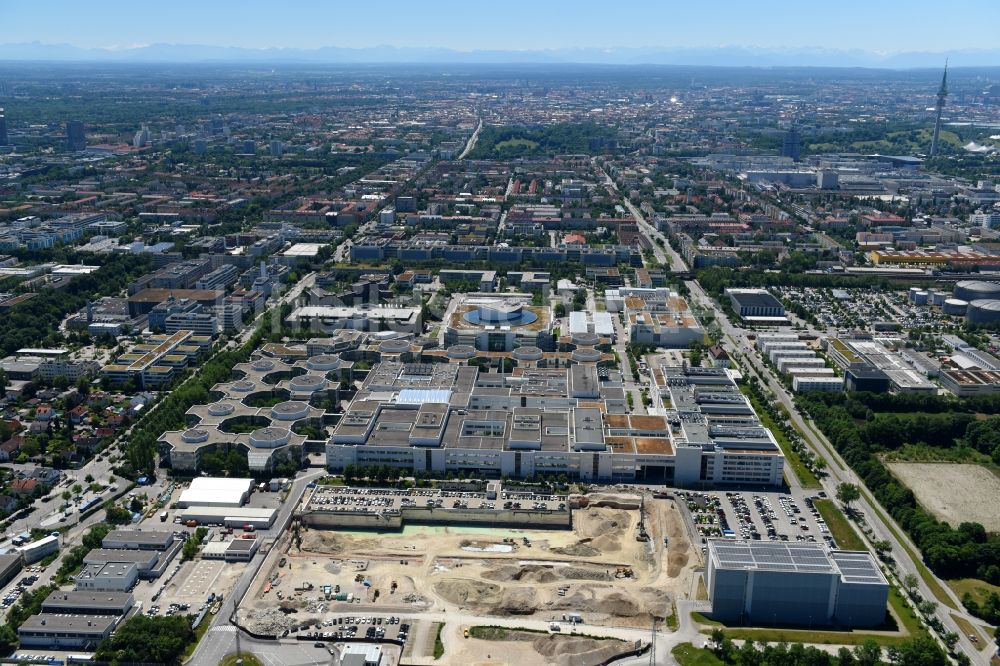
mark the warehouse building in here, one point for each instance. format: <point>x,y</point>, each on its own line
<point>66,631</point>
<point>39,550</point>
<point>215,491</point>
<point>138,539</point>
<point>10,565</point>
<point>785,583</point>
<point>88,603</point>
<point>237,550</point>
<point>260,519</point>
<point>755,303</point>
<point>110,577</point>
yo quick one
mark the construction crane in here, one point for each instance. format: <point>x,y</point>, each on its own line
<point>652,645</point>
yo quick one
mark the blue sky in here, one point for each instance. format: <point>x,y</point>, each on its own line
<point>870,25</point>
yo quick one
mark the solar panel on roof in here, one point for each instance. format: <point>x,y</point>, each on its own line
<point>423,396</point>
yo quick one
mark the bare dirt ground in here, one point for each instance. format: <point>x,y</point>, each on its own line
<point>954,492</point>
<point>598,569</point>
<point>523,647</point>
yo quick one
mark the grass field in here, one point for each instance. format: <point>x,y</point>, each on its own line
<point>977,588</point>
<point>688,655</point>
<point>841,529</point>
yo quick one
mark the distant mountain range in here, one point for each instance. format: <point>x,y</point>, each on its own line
<point>725,56</point>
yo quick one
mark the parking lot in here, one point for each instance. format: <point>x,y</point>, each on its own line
<point>21,584</point>
<point>382,500</point>
<point>755,516</point>
<point>346,627</point>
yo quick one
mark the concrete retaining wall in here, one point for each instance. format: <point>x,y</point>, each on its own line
<point>423,515</point>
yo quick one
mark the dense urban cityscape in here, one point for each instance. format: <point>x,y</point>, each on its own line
<point>378,364</point>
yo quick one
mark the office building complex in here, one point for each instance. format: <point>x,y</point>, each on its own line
<point>451,418</point>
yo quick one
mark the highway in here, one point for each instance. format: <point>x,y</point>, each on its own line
<point>472,140</point>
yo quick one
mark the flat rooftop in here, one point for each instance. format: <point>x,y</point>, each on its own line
<point>56,622</point>
<point>799,557</point>
<point>61,600</point>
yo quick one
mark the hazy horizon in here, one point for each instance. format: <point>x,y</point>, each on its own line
<point>858,33</point>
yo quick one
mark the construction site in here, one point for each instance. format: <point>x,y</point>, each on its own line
<point>622,563</point>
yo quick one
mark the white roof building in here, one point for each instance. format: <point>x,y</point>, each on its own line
<point>215,491</point>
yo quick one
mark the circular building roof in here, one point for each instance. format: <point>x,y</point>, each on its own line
<point>324,362</point>
<point>262,365</point>
<point>500,314</point>
<point>307,383</point>
<point>971,290</point>
<point>461,351</point>
<point>586,338</point>
<point>394,346</point>
<point>195,435</point>
<point>586,355</point>
<point>221,408</point>
<point>527,353</point>
<point>270,437</point>
<point>290,410</point>
<point>244,386</point>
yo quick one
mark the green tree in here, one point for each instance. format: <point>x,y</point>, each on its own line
<point>848,493</point>
<point>147,639</point>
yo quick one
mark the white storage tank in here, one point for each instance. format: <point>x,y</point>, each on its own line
<point>920,298</point>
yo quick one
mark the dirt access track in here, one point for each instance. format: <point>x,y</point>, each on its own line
<point>597,569</point>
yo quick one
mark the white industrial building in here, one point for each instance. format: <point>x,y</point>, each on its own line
<point>817,383</point>
<point>216,491</point>
<point>110,576</point>
<point>599,323</point>
<point>234,517</point>
<point>38,550</point>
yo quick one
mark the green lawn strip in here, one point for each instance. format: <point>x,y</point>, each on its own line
<point>806,478</point>
<point>438,643</point>
<point>199,632</point>
<point>672,619</point>
<point>688,655</point>
<point>815,637</point>
<point>248,660</point>
<point>841,529</point>
<point>967,628</point>
<point>907,616</point>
